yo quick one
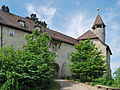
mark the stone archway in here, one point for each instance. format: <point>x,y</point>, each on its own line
<point>57,68</point>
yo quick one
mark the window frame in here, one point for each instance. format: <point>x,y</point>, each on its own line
<point>22,23</point>
<point>11,31</point>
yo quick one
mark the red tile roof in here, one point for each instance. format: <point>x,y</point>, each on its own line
<point>98,21</point>
<point>12,20</point>
<point>59,36</point>
<point>86,35</point>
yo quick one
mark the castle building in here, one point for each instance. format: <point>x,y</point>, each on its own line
<point>13,29</point>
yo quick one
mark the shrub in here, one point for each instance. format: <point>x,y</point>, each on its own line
<point>30,68</point>
<point>87,62</point>
<point>117,76</point>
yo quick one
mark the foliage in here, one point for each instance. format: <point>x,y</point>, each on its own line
<point>117,76</point>
<point>53,86</point>
<point>35,19</point>
<point>104,80</point>
<point>30,68</point>
<point>87,62</point>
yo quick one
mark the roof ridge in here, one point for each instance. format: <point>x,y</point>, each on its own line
<point>83,34</point>
<point>60,33</point>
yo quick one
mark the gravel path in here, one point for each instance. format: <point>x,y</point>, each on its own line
<point>67,85</point>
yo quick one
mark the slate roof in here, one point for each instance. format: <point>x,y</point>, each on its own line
<point>86,35</point>
<point>12,20</point>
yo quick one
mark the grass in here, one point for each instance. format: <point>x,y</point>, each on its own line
<point>54,86</point>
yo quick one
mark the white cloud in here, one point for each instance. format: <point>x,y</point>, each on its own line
<point>44,13</point>
<point>115,65</point>
<point>113,30</point>
<point>113,33</point>
<point>78,25</point>
<point>30,8</point>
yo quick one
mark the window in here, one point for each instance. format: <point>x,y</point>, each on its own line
<point>68,54</point>
<point>99,26</point>
<point>38,28</point>
<point>24,35</point>
<point>92,42</point>
<point>22,23</point>
<point>55,45</point>
<point>11,33</point>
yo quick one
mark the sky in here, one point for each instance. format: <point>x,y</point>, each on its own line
<point>74,17</point>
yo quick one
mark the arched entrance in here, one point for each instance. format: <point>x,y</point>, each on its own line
<point>57,68</point>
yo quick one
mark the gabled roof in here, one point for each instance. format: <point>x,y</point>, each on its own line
<point>98,21</point>
<point>12,20</point>
<point>86,35</point>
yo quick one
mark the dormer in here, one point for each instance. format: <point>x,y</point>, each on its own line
<point>21,22</point>
<point>37,27</point>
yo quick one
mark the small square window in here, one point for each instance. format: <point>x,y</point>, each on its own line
<point>11,33</point>
<point>22,23</point>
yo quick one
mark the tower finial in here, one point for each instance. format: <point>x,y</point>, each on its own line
<point>98,10</point>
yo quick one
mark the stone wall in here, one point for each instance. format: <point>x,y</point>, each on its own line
<point>63,58</point>
<point>100,32</point>
<point>105,53</point>
<point>17,40</point>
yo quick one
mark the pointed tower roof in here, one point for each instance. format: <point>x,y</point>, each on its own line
<point>86,35</point>
<point>98,21</point>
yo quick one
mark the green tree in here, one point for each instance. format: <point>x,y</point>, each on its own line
<point>34,18</point>
<point>87,61</point>
<point>30,68</point>
<point>117,76</point>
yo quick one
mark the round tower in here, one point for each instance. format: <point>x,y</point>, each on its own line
<point>99,28</point>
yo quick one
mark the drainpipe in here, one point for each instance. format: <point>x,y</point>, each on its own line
<point>1,34</point>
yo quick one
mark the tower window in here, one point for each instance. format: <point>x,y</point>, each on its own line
<point>98,26</point>
<point>11,33</point>
<point>22,23</point>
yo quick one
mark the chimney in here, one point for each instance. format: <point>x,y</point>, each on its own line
<point>5,9</point>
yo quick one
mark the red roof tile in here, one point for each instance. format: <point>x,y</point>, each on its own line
<point>12,20</point>
<point>87,34</point>
<point>98,21</point>
<point>59,36</point>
